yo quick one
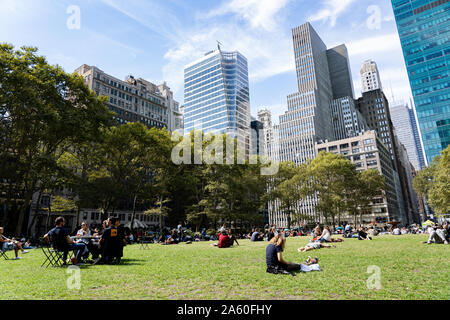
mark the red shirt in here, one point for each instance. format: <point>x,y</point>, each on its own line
<point>224,241</point>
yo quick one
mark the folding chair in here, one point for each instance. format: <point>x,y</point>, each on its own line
<point>3,253</point>
<point>53,257</point>
<point>145,243</point>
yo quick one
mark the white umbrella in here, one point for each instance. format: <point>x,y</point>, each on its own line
<point>137,224</point>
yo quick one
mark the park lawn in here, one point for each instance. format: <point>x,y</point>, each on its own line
<point>409,270</point>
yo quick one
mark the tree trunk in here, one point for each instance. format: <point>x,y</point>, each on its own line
<point>133,215</point>
<point>78,216</point>
<point>49,212</point>
<point>23,208</point>
<point>160,213</point>
<point>38,208</point>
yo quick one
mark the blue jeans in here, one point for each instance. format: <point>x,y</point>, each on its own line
<point>77,248</point>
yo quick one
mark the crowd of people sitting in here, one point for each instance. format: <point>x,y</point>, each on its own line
<point>104,245</point>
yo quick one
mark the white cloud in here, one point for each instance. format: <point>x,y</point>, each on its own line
<point>150,15</point>
<point>259,13</point>
<point>367,46</point>
<point>266,45</point>
<point>331,11</point>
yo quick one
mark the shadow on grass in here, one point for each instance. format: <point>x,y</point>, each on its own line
<point>131,262</point>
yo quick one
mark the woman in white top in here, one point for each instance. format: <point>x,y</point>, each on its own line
<point>326,235</point>
<point>84,231</point>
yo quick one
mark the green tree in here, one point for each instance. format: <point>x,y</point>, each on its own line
<point>434,183</point>
<point>331,177</point>
<point>45,109</point>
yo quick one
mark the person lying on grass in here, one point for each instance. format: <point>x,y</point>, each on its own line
<point>10,244</point>
<point>274,256</point>
<point>315,245</point>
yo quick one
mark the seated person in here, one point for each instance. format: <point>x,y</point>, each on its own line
<point>60,240</point>
<point>348,229</point>
<point>257,236</point>
<point>274,256</point>
<point>317,233</point>
<point>372,232</point>
<point>315,245</point>
<point>9,244</point>
<point>93,246</point>
<point>396,231</point>
<point>447,232</point>
<point>173,238</point>
<point>224,240</point>
<point>271,234</point>
<point>326,235</point>
<point>249,236</point>
<point>233,238</point>
<point>438,235</point>
<point>84,231</point>
<point>362,235</point>
<point>112,242</point>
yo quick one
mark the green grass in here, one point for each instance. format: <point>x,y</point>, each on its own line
<point>409,270</point>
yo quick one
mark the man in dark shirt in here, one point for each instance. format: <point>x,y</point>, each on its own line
<point>60,240</point>
<point>362,235</point>
<point>112,242</point>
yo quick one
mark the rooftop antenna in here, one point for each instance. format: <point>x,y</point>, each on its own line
<point>218,45</point>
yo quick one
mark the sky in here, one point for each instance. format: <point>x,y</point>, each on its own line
<point>155,39</point>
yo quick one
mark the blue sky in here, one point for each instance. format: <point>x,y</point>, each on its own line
<point>154,39</point>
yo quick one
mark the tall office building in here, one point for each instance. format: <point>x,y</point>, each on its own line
<point>340,72</point>
<point>424,30</point>
<point>410,198</point>
<point>176,117</point>
<point>347,120</point>
<point>406,127</point>
<point>308,118</point>
<point>216,95</point>
<point>374,106</point>
<point>270,137</point>
<point>323,78</point>
<point>367,151</point>
<point>135,100</point>
<point>370,76</point>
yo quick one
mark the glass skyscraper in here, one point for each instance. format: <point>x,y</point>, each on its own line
<point>216,95</point>
<point>424,29</point>
<point>405,125</point>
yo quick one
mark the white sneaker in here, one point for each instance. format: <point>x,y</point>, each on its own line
<point>25,251</point>
<point>17,258</point>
